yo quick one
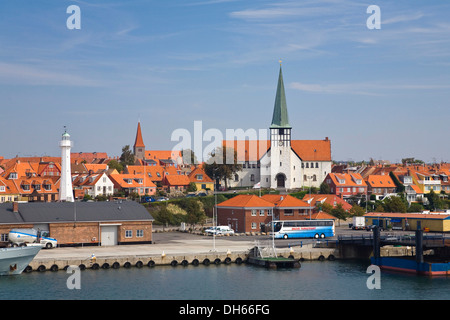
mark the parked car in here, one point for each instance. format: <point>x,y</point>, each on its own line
<point>162,199</point>
<point>372,226</point>
<point>220,230</point>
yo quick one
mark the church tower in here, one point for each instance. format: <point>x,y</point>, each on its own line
<point>139,147</point>
<point>280,140</point>
<point>65,183</point>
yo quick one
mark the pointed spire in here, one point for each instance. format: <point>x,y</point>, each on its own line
<point>139,142</point>
<point>280,118</point>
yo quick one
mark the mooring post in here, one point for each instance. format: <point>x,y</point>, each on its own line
<point>376,244</point>
<point>419,243</point>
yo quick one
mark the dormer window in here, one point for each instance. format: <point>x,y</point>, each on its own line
<point>199,177</point>
<point>13,175</point>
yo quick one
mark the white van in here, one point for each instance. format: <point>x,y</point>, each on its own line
<point>220,230</point>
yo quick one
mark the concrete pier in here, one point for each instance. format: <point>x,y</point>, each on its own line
<point>176,253</point>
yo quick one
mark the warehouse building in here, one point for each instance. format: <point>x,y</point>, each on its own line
<point>430,221</point>
<point>81,223</point>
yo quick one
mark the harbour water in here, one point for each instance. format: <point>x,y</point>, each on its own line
<point>343,280</point>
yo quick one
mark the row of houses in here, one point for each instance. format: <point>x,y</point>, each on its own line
<point>415,181</point>
<point>38,179</point>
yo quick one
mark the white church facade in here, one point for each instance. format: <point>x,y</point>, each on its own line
<point>281,162</point>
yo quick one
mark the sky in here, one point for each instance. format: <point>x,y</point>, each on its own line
<point>375,93</point>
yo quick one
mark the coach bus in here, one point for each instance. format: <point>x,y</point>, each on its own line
<point>288,229</point>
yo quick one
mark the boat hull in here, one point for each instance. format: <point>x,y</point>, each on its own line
<point>413,267</point>
<point>15,260</point>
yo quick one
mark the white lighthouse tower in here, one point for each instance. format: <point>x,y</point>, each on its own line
<point>65,185</point>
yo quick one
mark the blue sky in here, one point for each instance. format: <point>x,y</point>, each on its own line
<point>375,93</point>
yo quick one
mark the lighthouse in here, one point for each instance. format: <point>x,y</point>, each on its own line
<point>65,185</point>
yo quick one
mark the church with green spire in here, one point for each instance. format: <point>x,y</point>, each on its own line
<point>282,163</point>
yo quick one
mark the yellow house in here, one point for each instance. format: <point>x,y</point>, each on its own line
<point>426,182</point>
<point>201,179</point>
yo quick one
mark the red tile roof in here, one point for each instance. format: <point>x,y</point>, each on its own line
<point>246,201</point>
<point>307,150</point>
<point>380,181</point>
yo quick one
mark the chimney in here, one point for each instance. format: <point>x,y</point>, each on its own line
<point>15,207</point>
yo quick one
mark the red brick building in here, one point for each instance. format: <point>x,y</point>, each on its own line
<point>249,213</point>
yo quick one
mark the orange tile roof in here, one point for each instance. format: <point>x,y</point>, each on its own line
<point>246,201</point>
<point>380,181</point>
<point>285,201</point>
<point>322,216</point>
<point>176,180</point>
<point>307,150</point>
<point>162,154</point>
<point>330,199</point>
<point>312,150</point>
<point>199,171</point>
<point>348,178</point>
<point>248,150</point>
<point>130,181</point>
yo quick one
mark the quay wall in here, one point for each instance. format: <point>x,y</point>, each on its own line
<point>139,261</point>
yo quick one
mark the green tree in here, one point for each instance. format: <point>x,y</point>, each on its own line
<point>222,164</point>
<point>395,204</point>
<point>356,210</point>
<point>324,188</point>
<point>192,187</point>
<point>415,207</point>
<point>127,156</point>
<point>339,212</point>
<point>114,164</point>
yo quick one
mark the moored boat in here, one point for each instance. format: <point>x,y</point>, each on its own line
<point>15,260</point>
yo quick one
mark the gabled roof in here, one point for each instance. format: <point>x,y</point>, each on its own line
<point>199,171</point>
<point>131,181</point>
<point>176,180</point>
<point>347,179</point>
<point>322,216</point>
<point>312,150</point>
<point>285,201</point>
<point>307,150</point>
<point>246,201</point>
<point>61,212</point>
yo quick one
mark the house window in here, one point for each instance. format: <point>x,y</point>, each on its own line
<point>2,188</point>
<point>254,212</point>
<point>317,165</point>
<point>252,177</point>
<point>37,187</point>
<point>288,212</point>
<point>307,165</point>
<point>199,177</point>
<point>261,212</point>
<point>236,178</point>
<point>13,175</point>
<point>269,212</point>
<point>253,225</point>
<point>139,233</point>
<point>26,187</point>
<point>128,233</point>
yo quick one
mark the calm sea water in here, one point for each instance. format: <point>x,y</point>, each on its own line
<point>314,280</point>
